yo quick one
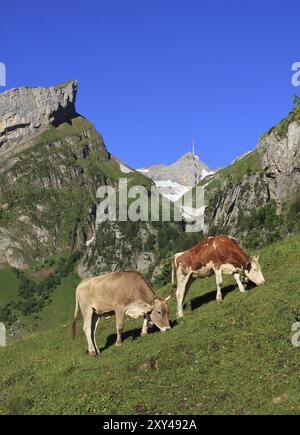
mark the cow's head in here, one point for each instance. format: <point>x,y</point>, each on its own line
<point>160,314</point>
<point>253,271</point>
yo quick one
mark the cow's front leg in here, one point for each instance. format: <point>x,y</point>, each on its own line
<point>119,325</point>
<point>219,282</point>
<point>239,282</point>
<point>89,326</point>
<point>180,293</point>
<point>145,327</point>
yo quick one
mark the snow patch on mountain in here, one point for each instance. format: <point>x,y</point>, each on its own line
<point>171,190</point>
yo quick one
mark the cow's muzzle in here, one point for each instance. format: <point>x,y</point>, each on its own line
<point>165,329</point>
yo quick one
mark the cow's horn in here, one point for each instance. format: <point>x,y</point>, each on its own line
<point>168,298</point>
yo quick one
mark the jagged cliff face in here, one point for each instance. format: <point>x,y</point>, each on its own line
<point>26,112</point>
<point>240,187</point>
<point>280,157</point>
<point>270,172</point>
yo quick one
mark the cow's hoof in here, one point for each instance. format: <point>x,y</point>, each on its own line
<point>144,334</point>
<point>118,344</point>
<point>93,353</point>
<point>179,316</point>
<point>219,300</point>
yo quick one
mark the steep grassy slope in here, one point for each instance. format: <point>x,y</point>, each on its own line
<point>9,285</point>
<point>20,309</point>
<point>234,357</point>
<point>61,308</point>
<point>281,128</point>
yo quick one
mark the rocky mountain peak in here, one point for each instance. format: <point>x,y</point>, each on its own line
<point>27,111</point>
<point>188,170</point>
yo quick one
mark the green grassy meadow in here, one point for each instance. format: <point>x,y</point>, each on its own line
<point>233,357</point>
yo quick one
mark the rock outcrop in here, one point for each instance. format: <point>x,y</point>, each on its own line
<point>227,200</point>
<point>281,162</point>
<point>28,111</point>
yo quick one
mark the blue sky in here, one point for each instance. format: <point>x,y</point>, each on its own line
<point>155,73</point>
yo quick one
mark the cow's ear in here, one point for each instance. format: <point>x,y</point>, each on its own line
<point>136,310</point>
<point>147,308</point>
<point>258,257</point>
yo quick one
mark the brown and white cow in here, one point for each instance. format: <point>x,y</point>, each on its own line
<point>220,254</point>
<point>119,293</point>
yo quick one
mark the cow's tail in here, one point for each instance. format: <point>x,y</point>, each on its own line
<point>76,317</point>
<point>173,272</point>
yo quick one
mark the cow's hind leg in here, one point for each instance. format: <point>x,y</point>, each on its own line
<point>219,281</point>
<point>89,326</point>
<point>95,321</point>
<point>239,283</point>
<point>119,325</point>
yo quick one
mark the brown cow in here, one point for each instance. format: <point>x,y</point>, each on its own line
<point>220,254</point>
<point>119,293</point>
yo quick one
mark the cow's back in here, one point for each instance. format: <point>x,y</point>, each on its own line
<point>217,250</point>
<point>115,289</point>
<point>228,251</point>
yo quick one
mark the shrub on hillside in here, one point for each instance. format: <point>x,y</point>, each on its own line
<point>164,276</point>
<point>292,220</point>
<point>261,227</point>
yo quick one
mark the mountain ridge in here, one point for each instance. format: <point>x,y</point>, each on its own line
<point>48,190</point>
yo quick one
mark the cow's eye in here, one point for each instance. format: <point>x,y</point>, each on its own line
<point>159,312</point>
